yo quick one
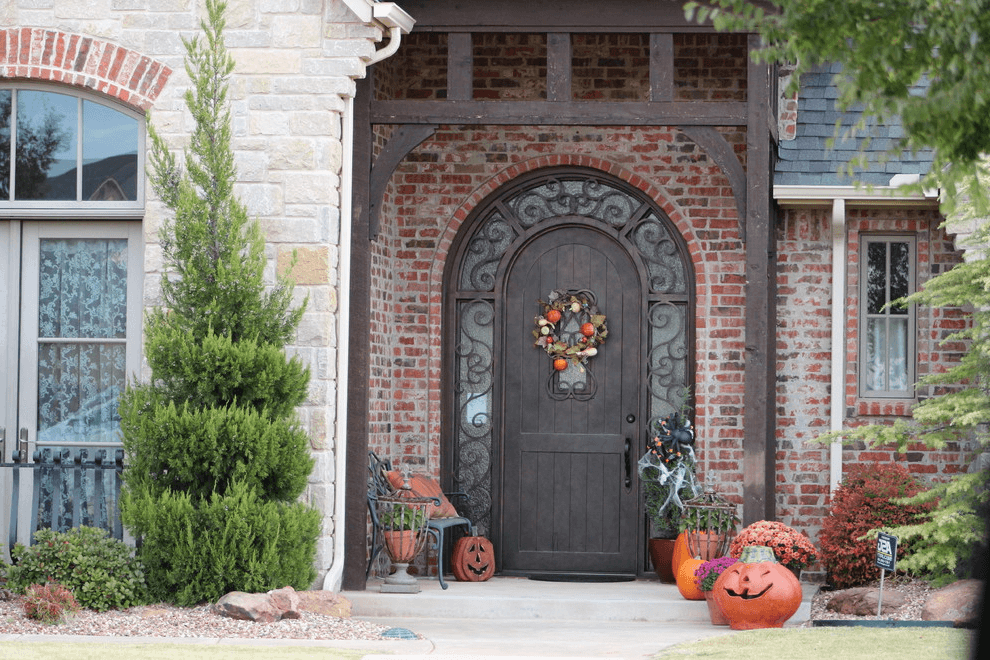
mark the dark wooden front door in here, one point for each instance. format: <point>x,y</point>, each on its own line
<point>570,440</point>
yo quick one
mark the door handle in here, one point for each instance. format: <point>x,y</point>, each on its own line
<point>628,456</point>
<point>22,444</point>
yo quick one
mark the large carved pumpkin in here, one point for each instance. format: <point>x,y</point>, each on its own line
<point>473,559</point>
<point>685,579</point>
<point>760,595</point>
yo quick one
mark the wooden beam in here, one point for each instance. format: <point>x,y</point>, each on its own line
<point>460,66</point>
<point>759,405</point>
<point>559,15</point>
<point>719,150</point>
<point>403,140</point>
<point>661,67</point>
<point>355,525</point>
<point>576,113</point>
<point>559,66</point>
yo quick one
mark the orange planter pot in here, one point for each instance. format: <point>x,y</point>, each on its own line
<point>401,545</point>
<point>760,595</point>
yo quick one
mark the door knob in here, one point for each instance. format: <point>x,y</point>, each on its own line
<point>630,418</point>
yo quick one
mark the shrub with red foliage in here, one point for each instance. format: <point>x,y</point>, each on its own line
<point>49,602</point>
<point>863,502</point>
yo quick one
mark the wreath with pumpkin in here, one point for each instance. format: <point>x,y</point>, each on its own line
<point>560,308</point>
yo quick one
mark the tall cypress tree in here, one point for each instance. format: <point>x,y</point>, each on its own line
<point>216,456</point>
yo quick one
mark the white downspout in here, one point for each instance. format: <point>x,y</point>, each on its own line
<point>334,577</point>
<point>838,399</point>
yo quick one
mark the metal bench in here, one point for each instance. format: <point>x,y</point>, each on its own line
<point>70,487</point>
<point>379,486</point>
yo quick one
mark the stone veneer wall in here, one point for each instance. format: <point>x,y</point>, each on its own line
<point>295,61</point>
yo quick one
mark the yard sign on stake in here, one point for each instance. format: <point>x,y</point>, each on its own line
<point>886,559</point>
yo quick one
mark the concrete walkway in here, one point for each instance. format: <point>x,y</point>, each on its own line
<point>508,618</point>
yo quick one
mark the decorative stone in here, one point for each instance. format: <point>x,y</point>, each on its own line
<point>325,602</point>
<point>273,606</point>
<point>862,601</point>
<point>958,602</point>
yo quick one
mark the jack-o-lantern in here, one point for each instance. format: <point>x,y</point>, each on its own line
<point>473,559</point>
<point>685,579</point>
<point>760,595</point>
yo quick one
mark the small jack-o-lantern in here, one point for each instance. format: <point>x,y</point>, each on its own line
<point>473,559</point>
<point>760,595</point>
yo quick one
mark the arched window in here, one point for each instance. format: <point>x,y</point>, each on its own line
<point>61,150</point>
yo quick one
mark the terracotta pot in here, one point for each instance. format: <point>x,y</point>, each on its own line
<point>706,545</point>
<point>401,545</point>
<point>661,552</point>
<point>715,612</point>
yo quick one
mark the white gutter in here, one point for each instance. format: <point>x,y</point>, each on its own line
<point>393,17</point>
<point>890,195</point>
<point>334,577</point>
<point>838,398</point>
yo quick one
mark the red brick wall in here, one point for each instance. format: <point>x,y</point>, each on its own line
<point>434,190</point>
<point>613,67</point>
<point>804,353</point>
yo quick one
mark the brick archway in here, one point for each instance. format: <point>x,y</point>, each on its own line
<point>81,61</point>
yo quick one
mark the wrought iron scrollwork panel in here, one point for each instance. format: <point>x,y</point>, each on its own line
<point>661,256</point>
<point>484,251</point>
<point>587,197</point>
<point>667,366</point>
<point>473,391</point>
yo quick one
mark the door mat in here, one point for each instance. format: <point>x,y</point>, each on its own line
<point>582,577</point>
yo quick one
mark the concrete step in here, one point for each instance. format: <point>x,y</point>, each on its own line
<point>512,598</point>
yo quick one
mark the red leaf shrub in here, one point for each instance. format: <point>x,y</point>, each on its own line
<point>49,602</point>
<point>861,503</point>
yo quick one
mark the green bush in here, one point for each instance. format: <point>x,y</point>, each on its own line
<point>100,571</point>
<point>197,552</point>
<point>866,500</point>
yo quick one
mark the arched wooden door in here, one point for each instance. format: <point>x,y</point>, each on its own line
<point>570,492</point>
<point>544,456</point>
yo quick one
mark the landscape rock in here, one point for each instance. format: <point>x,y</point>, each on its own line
<point>862,601</point>
<point>262,608</point>
<point>327,603</point>
<point>959,602</point>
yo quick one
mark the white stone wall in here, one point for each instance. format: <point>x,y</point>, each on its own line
<point>295,61</point>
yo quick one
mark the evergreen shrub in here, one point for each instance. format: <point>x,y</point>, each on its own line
<point>233,542</point>
<point>865,501</point>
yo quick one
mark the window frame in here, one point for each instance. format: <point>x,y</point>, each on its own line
<point>911,356</point>
<point>70,209</point>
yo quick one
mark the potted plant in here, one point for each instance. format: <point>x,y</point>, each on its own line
<point>402,525</point>
<point>705,576</point>
<point>791,548</point>
<point>667,472</point>
<point>710,522</point>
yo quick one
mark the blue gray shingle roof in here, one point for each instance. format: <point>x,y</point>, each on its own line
<point>810,160</point>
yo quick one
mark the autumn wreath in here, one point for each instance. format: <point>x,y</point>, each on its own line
<point>586,329</point>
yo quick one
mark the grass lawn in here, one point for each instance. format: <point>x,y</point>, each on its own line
<point>846,643</point>
<point>126,651</point>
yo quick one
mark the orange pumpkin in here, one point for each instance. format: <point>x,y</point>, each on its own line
<point>760,595</point>
<point>560,364</point>
<point>473,559</point>
<point>680,553</point>
<point>685,579</point>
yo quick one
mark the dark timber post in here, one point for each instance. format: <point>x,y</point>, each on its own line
<point>355,518</point>
<point>759,440</point>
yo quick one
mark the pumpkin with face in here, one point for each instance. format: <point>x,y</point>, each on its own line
<point>760,595</point>
<point>473,559</point>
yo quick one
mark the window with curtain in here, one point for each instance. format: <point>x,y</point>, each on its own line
<point>887,329</point>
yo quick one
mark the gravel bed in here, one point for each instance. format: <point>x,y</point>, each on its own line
<point>914,590</point>
<point>168,621</point>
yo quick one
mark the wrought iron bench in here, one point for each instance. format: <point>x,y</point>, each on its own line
<point>69,488</point>
<point>380,486</point>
